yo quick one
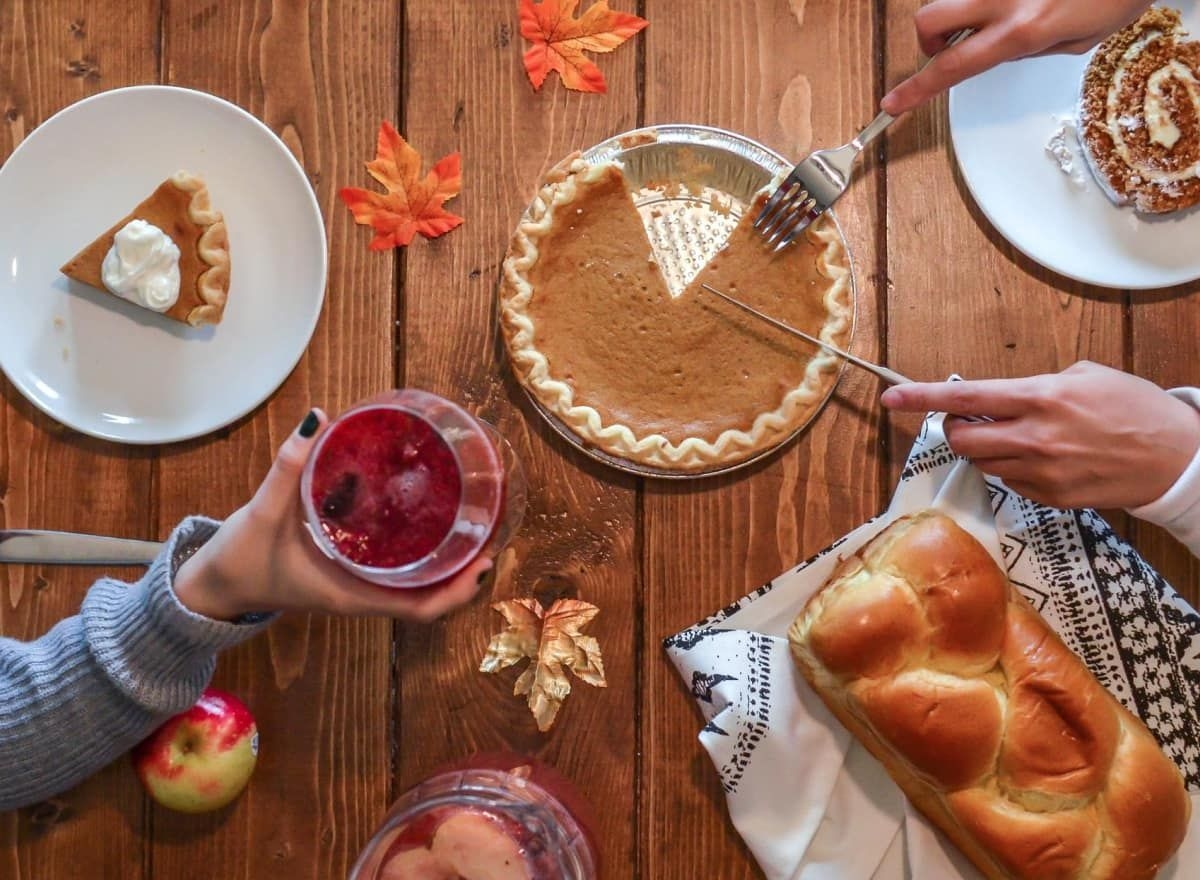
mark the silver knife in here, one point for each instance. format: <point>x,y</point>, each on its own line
<point>887,375</point>
<point>70,548</point>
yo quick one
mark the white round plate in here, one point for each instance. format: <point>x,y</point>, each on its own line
<point>1000,123</point>
<point>106,367</point>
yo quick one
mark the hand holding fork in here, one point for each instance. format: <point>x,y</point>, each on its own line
<point>819,181</point>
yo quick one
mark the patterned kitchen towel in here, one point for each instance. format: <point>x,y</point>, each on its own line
<point>810,802</point>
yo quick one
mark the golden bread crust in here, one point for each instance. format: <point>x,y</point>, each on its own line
<point>993,728</point>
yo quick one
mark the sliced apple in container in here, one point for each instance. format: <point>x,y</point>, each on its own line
<point>466,846</point>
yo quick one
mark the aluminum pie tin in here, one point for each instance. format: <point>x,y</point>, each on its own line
<point>691,184</point>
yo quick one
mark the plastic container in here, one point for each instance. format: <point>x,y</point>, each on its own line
<point>495,820</point>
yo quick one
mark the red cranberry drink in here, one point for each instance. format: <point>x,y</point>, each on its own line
<point>407,489</point>
<point>497,821</point>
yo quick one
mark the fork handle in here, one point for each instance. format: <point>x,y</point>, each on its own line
<point>873,130</point>
<point>883,120</point>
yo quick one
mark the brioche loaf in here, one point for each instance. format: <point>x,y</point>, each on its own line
<point>994,729</point>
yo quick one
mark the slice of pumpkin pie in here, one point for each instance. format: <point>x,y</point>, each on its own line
<point>170,255</point>
<point>684,383</point>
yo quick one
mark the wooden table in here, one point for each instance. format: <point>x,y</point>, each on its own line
<point>352,712</point>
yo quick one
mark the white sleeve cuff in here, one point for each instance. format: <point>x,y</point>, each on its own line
<point>1178,509</point>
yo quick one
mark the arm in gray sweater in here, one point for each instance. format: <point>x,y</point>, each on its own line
<point>136,655</point>
<point>132,658</point>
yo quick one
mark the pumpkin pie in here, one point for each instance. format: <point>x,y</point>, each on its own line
<point>196,249</point>
<point>687,383</point>
<point>1139,115</point>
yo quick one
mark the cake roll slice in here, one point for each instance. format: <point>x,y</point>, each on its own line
<point>1139,115</point>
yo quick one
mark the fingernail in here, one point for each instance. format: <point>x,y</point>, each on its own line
<point>309,426</point>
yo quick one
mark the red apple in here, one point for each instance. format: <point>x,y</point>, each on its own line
<point>202,759</point>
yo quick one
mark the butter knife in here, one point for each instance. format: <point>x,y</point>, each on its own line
<point>70,548</point>
<point>887,375</point>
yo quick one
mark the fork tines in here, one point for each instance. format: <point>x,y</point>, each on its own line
<point>786,214</point>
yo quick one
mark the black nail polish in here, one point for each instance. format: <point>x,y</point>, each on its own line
<point>308,427</point>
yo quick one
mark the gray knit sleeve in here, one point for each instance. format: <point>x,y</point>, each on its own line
<point>132,657</point>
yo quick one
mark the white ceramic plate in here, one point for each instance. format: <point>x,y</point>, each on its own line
<point>103,366</point>
<point>1001,122</point>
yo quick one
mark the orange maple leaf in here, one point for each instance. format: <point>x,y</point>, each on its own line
<point>559,40</point>
<point>411,204</point>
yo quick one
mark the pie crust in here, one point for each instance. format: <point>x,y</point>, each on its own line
<point>181,208</point>
<point>738,423</point>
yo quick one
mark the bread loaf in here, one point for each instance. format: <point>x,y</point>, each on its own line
<point>994,729</point>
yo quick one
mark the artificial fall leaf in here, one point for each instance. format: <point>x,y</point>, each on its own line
<point>411,204</point>
<point>560,39</point>
<point>553,641</point>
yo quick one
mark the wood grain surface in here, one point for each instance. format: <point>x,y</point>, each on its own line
<point>320,687</point>
<point>354,712</point>
<point>51,55</point>
<point>790,77</point>
<point>579,537</point>
<point>1164,332</point>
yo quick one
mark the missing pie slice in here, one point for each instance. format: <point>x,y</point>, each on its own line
<point>687,383</point>
<point>170,255</point>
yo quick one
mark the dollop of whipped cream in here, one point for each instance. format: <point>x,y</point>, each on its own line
<point>142,266</point>
<point>1063,148</point>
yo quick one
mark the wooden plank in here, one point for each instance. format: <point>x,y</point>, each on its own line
<point>795,77</point>
<point>467,90</point>
<point>960,298</point>
<point>51,55</point>
<point>1164,329</point>
<point>322,76</point>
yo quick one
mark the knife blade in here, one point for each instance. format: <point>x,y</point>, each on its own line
<point>887,375</point>
<point>71,548</point>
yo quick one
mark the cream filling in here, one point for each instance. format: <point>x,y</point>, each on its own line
<point>1161,128</point>
<point>1158,116</point>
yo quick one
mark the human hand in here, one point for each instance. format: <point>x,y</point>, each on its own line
<point>1006,30</point>
<point>263,559</point>
<point>1089,436</point>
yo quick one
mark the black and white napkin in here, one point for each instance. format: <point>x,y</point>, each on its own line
<point>810,802</point>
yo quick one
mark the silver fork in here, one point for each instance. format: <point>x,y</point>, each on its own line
<point>819,181</point>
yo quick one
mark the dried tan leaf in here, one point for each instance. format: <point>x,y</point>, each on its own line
<point>520,640</point>
<point>554,641</point>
